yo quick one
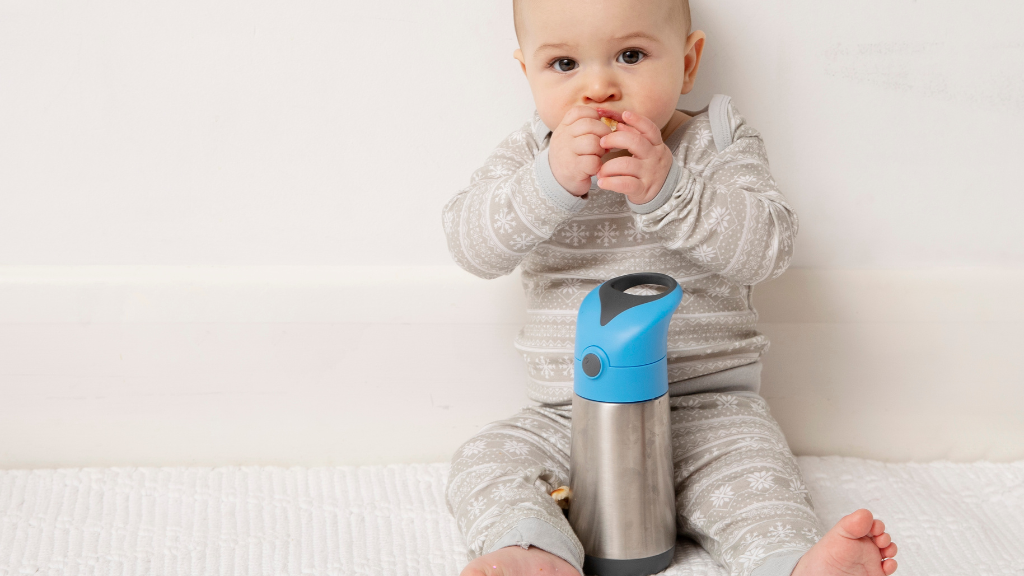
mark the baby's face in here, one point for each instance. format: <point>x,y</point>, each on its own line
<point>611,54</point>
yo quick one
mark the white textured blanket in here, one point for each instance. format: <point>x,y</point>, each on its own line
<point>947,519</point>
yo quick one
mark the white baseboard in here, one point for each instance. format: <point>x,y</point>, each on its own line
<point>317,365</point>
<point>255,294</point>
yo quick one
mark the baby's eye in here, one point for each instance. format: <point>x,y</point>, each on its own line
<point>564,65</point>
<point>631,56</point>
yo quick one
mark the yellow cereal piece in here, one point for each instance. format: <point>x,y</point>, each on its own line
<point>610,122</point>
<point>562,496</point>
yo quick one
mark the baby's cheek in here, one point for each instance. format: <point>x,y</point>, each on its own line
<point>660,111</point>
<point>552,106</point>
<point>551,119</point>
<point>657,102</point>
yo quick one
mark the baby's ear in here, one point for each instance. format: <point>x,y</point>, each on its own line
<point>694,50</point>
<point>518,55</point>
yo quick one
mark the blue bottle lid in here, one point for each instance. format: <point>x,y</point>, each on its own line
<point>622,340</point>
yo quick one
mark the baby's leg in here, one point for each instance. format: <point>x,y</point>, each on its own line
<point>739,492</point>
<point>499,489</point>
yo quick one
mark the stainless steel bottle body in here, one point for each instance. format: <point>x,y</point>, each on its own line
<point>623,496</point>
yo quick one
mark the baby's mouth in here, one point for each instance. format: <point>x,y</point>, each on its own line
<point>609,114</point>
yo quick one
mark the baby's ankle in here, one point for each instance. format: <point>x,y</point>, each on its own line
<point>516,560</point>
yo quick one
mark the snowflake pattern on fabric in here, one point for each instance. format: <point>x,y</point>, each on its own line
<point>522,241</point>
<point>722,496</point>
<point>570,287</point>
<point>723,228</point>
<point>718,218</point>
<point>575,234</point>
<point>504,220</point>
<point>635,234</point>
<point>760,480</point>
<point>606,234</point>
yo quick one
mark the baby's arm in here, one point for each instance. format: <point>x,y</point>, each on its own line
<point>730,218</point>
<point>513,203</point>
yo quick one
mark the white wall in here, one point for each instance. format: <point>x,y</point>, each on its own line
<point>190,190</point>
<point>331,133</point>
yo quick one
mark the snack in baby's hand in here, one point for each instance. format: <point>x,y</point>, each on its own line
<point>610,122</point>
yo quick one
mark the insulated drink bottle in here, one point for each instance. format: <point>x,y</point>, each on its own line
<point>620,464</point>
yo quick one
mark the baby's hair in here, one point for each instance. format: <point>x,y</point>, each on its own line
<point>683,10</point>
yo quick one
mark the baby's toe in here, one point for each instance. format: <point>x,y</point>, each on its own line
<point>888,566</point>
<point>889,551</point>
<point>882,540</point>
<point>877,527</point>
<point>856,525</point>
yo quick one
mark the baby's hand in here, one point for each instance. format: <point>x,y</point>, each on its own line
<point>640,176</point>
<point>575,153</point>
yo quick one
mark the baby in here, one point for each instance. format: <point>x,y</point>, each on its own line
<point>608,178</point>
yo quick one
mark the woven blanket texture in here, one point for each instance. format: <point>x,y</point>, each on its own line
<point>947,519</point>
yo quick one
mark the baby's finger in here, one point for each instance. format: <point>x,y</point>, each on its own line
<point>621,166</point>
<point>589,165</point>
<point>577,112</point>
<point>636,143</point>
<point>644,126</point>
<point>587,144</point>
<point>587,126</point>
<point>628,185</point>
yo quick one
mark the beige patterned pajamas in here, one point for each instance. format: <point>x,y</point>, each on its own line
<point>738,489</point>
<point>718,226</point>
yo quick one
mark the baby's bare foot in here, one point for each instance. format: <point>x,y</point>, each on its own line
<point>856,546</point>
<point>516,561</point>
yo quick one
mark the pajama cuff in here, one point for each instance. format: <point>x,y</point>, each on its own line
<point>539,534</point>
<point>552,189</point>
<point>781,564</point>
<point>671,181</point>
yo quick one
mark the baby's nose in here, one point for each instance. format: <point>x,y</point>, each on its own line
<point>601,87</point>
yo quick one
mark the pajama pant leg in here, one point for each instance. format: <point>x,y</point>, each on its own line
<point>500,482</point>
<point>739,492</point>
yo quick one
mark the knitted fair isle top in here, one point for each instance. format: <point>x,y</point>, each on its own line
<point>718,226</point>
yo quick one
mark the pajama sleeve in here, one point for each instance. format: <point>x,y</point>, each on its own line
<point>725,214</point>
<point>511,205</point>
